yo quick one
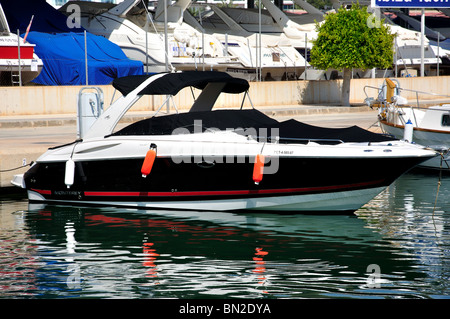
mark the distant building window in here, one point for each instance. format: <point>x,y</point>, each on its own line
<point>445,120</point>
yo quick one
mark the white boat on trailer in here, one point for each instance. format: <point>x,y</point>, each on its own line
<point>221,160</point>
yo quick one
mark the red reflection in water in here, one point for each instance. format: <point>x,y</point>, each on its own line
<point>260,268</point>
<point>149,260</point>
<point>18,265</point>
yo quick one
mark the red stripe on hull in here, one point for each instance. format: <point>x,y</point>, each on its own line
<point>42,191</point>
<point>236,192</point>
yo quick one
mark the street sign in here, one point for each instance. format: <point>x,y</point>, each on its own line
<point>411,3</point>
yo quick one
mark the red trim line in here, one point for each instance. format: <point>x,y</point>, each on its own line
<point>232,192</point>
<point>42,191</point>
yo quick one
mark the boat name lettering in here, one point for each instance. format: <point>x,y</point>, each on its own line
<point>66,193</point>
<point>8,40</point>
<point>279,152</point>
<point>270,55</point>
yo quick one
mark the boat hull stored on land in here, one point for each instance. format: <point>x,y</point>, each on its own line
<point>18,62</point>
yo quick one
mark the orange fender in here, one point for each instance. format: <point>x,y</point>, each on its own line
<point>258,169</point>
<point>148,161</point>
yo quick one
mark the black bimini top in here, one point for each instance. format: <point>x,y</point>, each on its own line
<point>172,83</point>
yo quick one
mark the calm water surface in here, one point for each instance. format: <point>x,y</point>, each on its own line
<point>397,246</point>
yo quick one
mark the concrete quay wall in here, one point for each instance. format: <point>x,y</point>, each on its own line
<point>50,100</point>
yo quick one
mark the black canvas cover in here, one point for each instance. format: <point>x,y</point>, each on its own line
<point>199,122</point>
<point>292,129</point>
<point>241,121</point>
<point>172,83</point>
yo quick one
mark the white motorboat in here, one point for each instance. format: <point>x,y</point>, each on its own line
<point>300,29</point>
<point>427,126</point>
<point>222,160</point>
<point>16,69</point>
<point>269,54</point>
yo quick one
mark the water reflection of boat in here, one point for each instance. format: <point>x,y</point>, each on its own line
<point>413,214</point>
<point>216,160</point>
<point>216,226</point>
<point>213,224</point>
<point>122,252</point>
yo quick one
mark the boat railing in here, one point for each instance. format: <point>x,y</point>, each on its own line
<point>308,140</point>
<point>381,99</point>
<point>396,102</point>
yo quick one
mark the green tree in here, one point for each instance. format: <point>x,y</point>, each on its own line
<point>352,38</point>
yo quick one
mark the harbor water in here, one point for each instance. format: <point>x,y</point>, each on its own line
<point>396,246</point>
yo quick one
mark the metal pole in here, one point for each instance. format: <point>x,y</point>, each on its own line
<point>18,55</point>
<point>203,50</point>
<point>166,42</point>
<point>422,40</point>
<point>146,47</point>
<point>86,57</point>
<point>395,56</point>
<point>256,55</point>
<point>438,57</point>
<point>306,54</point>
<point>226,44</point>
<point>166,48</point>
<point>259,43</point>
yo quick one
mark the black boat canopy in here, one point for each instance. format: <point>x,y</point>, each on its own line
<point>172,83</point>
<point>290,131</point>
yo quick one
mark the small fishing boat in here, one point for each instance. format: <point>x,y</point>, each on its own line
<point>216,160</point>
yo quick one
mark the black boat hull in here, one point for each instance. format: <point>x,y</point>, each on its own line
<point>298,184</point>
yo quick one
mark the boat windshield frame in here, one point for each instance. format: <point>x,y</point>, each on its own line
<point>211,83</point>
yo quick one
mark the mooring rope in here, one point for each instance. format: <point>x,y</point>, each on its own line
<point>15,168</point>
<point>438,187</point>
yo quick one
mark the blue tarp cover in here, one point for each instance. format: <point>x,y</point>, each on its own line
<point>62,48</point>
<point>63,55</point>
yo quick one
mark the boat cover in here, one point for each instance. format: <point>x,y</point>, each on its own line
<point>240,121</point>
<point>63,55</point>
<point>61,47</point>
<point>172,83</point>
